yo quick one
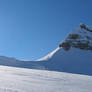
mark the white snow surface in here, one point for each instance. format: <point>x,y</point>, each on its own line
<point>75,61</point>
<point>59,71</point>
<point>72,61</point>
<point>28,80</point>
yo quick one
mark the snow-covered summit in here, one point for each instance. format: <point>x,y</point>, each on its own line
<point>79,38</point>
<point>74,54</point>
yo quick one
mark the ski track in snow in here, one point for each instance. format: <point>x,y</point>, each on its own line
<point>28,80</point>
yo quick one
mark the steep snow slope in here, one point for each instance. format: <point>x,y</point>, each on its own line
<point>73,61</point>
<point>74,54</point>
<point>28,80</point>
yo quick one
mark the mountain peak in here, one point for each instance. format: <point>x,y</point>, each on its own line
<point>79,38</point>
<point>87,28</point>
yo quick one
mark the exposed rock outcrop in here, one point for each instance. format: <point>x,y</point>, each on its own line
<point>80,38</point>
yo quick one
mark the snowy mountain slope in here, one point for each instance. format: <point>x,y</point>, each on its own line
<point>72,61</point>
<point>28,80</point>
<point>7,61</point>
<point>74,55</point>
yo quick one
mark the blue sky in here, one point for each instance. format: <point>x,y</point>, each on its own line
<point>30,29</point>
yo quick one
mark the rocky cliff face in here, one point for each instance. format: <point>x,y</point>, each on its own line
<point>79,38</point>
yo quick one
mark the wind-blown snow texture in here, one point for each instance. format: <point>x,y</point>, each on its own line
<point>29,80</point>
